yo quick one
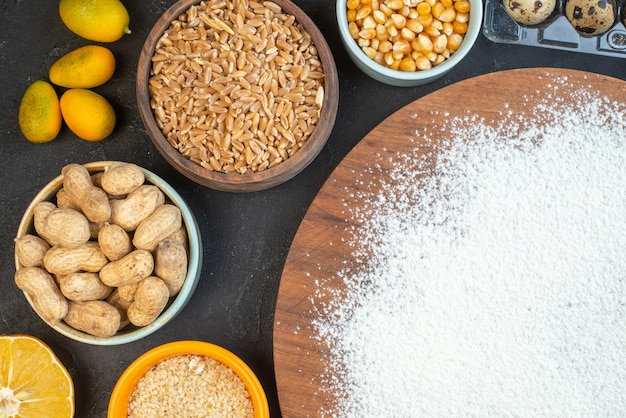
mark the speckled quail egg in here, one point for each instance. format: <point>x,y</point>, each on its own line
<point>529,12</point>
<point>591,17</point>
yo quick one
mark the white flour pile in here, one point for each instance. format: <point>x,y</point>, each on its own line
<point>498,286</point>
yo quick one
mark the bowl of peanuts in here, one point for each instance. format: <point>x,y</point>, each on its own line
<point>185,377</point>
<point>408,42</point>
<point>237,95</point>
<point>107,253</point>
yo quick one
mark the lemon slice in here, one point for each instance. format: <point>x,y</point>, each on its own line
<point>33,382</point>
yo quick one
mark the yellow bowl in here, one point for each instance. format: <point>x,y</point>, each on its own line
<point>123,390</point>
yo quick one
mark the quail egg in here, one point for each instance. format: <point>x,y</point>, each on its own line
<point>591,17</point>
<point>529,12</point>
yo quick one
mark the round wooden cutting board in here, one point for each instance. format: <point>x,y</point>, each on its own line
<point>320,248</point>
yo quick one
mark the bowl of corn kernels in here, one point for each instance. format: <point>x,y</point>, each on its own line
<point>408,42</point>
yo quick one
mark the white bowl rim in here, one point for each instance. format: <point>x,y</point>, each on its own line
<point>185,293</point>
<point>469,39</point>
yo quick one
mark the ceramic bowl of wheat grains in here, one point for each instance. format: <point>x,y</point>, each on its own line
<point>237,95</point>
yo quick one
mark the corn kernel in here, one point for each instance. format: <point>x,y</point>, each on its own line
<point>385,46</point>
<point>462,6</point>
<point>414,26</point>
<point>423,9</point>
<point>462,17</point>
<point>459,27</point>
<point>437,10</point>
<point>424,42</point>
<point>353,4</point>
<point>407,64</point>
<point>367,34</point>
<point>363,12</point>
<point>351,15</point>
<point>380,17</point>
<point>425,20</point>
<point>431,55</point>
<point>440,43</point>
<point>354,30</point>
<point>440,59</point>
<point>446,3</point>
<point>402,46</point>
<point>454,41</point>
<point>398,20</point>
<point>386,10</point>
<point>407,34</point>
<point>432,31</point>
<point>381,33</point>
<point>423,63</point>
<point>389,58</point>
<point>395,4</point>
<point>448,15</point>
<point>405,11</point>
<point>416,54</point>
<point>363,42</point>
<point>412,14</point>
<point>370,52</point>
<point>380,58</point>
<point>375,43</point>
<point>395,65</point>
<point>369,23</point>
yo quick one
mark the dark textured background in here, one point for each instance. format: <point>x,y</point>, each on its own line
<point>246,237</point>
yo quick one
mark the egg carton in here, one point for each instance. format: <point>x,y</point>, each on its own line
<point>555,32</point>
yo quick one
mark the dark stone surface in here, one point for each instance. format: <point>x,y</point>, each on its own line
<point>246,237</point>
